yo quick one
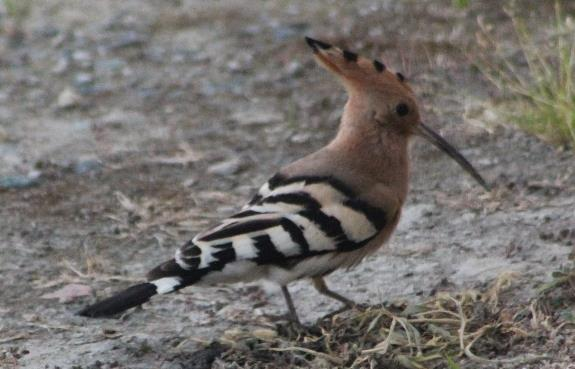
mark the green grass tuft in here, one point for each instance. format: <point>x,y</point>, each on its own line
<point>17,9</point>
<point>452,364</point>
<point>462,4</point>
<point>543,93</point>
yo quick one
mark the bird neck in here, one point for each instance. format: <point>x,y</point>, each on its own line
<point>378,152</point>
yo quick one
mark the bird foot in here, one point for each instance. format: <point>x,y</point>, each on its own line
<point>295,330</point>
<point>288,326</point>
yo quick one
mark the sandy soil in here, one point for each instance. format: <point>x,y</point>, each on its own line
<point>126,127</point>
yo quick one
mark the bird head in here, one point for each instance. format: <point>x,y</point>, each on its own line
<point>381,98</point>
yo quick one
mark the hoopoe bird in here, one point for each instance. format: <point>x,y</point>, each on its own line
<point>323,212</point>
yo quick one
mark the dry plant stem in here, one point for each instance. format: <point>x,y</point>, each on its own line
<point>547,87</point>
<point>358,361</point>
<point>415,333</point>
<point>50,326</point>
<point>556,331</point>
<point>382,347</point>
<point>466,349</point>
<point>101,277</point>
<point>439,311</point>
<point>332,359</point>
<point>14,338</point>
<point>511,70</point>
<point>463,323</point>
<point>436,320</point>
<point>73,269</point>
<point>517,360</point>
<point>532,58</point>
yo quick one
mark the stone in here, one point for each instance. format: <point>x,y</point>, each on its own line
<point>87,166</point>
<point>256,116</point>
<point>128,39</point>
<point>120,117</point>
<point>3,135</point>
<point>20,181</point>
<point>82,58</point>
<point>83,79</point>
<point>110,66</point>
<point>68,99</point>
<point>62,65</point>
<point>225,168</point>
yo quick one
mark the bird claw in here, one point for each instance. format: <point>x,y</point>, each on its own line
<point>294,330</point>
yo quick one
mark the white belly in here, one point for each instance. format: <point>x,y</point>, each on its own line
<point>310,267</point>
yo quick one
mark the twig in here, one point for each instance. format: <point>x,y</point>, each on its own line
<point>50,326</point>
<point>72,268</point>
<point>463,323</point>
<point>14,338</point>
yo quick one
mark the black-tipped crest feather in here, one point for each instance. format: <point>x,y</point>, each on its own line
<point>317,44</point>
<point>349,56</point>
<point>379,66</point>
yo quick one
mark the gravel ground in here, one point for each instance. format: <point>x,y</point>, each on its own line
<point>126,127</point>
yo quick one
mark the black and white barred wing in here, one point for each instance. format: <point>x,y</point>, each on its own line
<point>290,219</point>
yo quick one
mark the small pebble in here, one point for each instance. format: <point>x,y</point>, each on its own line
<point>82,58</point>
<point>3,135</point>
<point>62,65</point>
<point>113,65</point>
<point>82,79</point>
<point>68,99</point>
<point>227,167</point>
<point>300,138</point>
<point>256,116</point>
<point>128,39</point>
<point>294,69</point>
<point>20,181</point>
<point>87,166</point>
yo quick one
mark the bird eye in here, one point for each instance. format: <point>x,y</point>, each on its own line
<point>402,109</point>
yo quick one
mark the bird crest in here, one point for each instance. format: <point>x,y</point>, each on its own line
<point>355,70</point>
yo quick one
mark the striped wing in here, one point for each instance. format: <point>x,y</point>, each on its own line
<point>289,218</point>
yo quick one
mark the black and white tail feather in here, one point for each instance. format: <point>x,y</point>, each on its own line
<point>295,227</point>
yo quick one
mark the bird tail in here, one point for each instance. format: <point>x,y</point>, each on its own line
<point>165,278</point>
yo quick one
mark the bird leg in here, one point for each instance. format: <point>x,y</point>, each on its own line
<point>292,312</point>
<point>321,287</point>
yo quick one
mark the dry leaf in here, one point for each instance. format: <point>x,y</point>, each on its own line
<point>69,292</point>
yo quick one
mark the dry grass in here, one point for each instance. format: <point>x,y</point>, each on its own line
<point>464,330</point>
<point>542,93</point>
<point>559,295</point>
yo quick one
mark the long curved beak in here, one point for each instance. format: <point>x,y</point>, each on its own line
<point>447,148</point>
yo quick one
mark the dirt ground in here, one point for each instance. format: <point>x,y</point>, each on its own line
<point>126,127</point>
